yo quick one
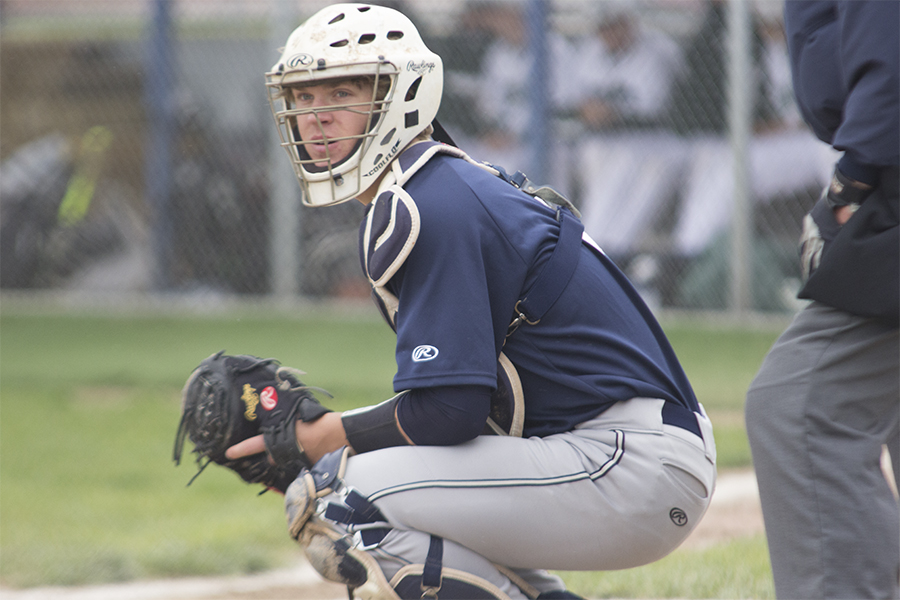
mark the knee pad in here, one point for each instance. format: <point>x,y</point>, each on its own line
<point>302,495</point>
<point>409,584</point>
<point>433,580</point>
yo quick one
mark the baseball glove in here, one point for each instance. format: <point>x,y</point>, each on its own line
<point>228,399</point>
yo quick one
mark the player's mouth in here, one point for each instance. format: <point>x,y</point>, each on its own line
<point>322,151</point>
<point>321,144</point>
<point>322,148</point>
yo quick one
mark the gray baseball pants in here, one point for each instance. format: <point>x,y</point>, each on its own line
<point>818,412</point>
<point>621,490</point>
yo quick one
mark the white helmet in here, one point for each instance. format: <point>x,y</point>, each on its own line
<point>350,40</point>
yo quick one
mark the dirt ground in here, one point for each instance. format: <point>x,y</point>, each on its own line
<point>734,512</point>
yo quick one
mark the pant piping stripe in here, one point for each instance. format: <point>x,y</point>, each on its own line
<point>516,482</point>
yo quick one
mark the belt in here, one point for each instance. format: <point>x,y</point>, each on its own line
<point>679,416</point>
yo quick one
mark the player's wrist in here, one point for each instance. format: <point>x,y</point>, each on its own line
<point>845,192</point>
<point>319,437</point>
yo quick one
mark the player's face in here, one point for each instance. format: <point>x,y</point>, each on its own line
<point>337,109</point>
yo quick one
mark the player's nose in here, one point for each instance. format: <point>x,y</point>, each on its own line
<point>323,115</point>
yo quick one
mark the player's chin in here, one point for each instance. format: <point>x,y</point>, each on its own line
<point>325,155</point>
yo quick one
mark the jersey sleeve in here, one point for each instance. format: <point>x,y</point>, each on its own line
<point>845,67</point>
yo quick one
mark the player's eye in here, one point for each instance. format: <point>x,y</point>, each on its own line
<point>343,94</point>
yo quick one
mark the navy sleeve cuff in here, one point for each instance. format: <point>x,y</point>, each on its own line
<point>857,171</point>
<point>444,416</point>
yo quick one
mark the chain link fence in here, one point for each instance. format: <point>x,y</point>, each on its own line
<point>139,156</point>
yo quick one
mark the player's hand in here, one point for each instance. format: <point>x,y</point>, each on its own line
<point>842,214</point>
<point>322,436</point>
<point>844,195</point>
<point>597,114</point>
<point>318,438</point>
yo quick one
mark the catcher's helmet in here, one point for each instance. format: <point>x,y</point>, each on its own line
<point>356,40</point>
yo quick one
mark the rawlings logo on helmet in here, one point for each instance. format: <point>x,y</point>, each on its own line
<point>299,60</point>
<point>420,67</point>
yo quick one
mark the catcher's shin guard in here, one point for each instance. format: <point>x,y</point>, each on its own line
<point>331,551</point>
<point>335,536</point>
<point>333,554</point>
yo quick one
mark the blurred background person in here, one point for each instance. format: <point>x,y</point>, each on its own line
<point>785,160</point>
<point>628,163</point>
<point>501,91</point>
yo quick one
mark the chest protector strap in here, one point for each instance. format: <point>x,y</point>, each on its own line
<point>555,275</point>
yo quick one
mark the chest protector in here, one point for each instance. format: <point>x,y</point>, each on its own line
<point>389,234</point>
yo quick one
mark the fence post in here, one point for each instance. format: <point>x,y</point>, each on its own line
<point>160,132</point>
<point>740,103</point>
<point>538,87</point>
<point>285,263</point>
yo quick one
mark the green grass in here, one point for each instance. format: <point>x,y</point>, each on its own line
<point>738,569</point>
<point>720,363</point>
<point>88,411</point>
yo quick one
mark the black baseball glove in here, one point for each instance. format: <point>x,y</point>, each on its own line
<point>228,399</point>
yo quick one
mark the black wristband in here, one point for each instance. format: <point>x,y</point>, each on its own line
<point>374,427</point>
<point>843,191</point>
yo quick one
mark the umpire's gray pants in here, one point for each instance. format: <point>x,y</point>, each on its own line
<point>823,403</point>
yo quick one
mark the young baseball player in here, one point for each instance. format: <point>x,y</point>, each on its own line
<point>509,320</point>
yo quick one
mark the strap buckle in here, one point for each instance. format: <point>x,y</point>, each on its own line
<point>521,317</point>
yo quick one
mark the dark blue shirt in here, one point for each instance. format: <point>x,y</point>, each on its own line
<point>481,243</point>
<point>845,66</point>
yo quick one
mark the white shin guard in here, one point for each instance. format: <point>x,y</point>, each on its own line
<point>331,553</point>
<point>335,552</point>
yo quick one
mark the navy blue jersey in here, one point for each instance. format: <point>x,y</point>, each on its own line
<point>845,64</point>
<point>482,242</point>
<point>845,61</point>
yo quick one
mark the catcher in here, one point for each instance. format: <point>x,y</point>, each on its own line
<point>509,320</point>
